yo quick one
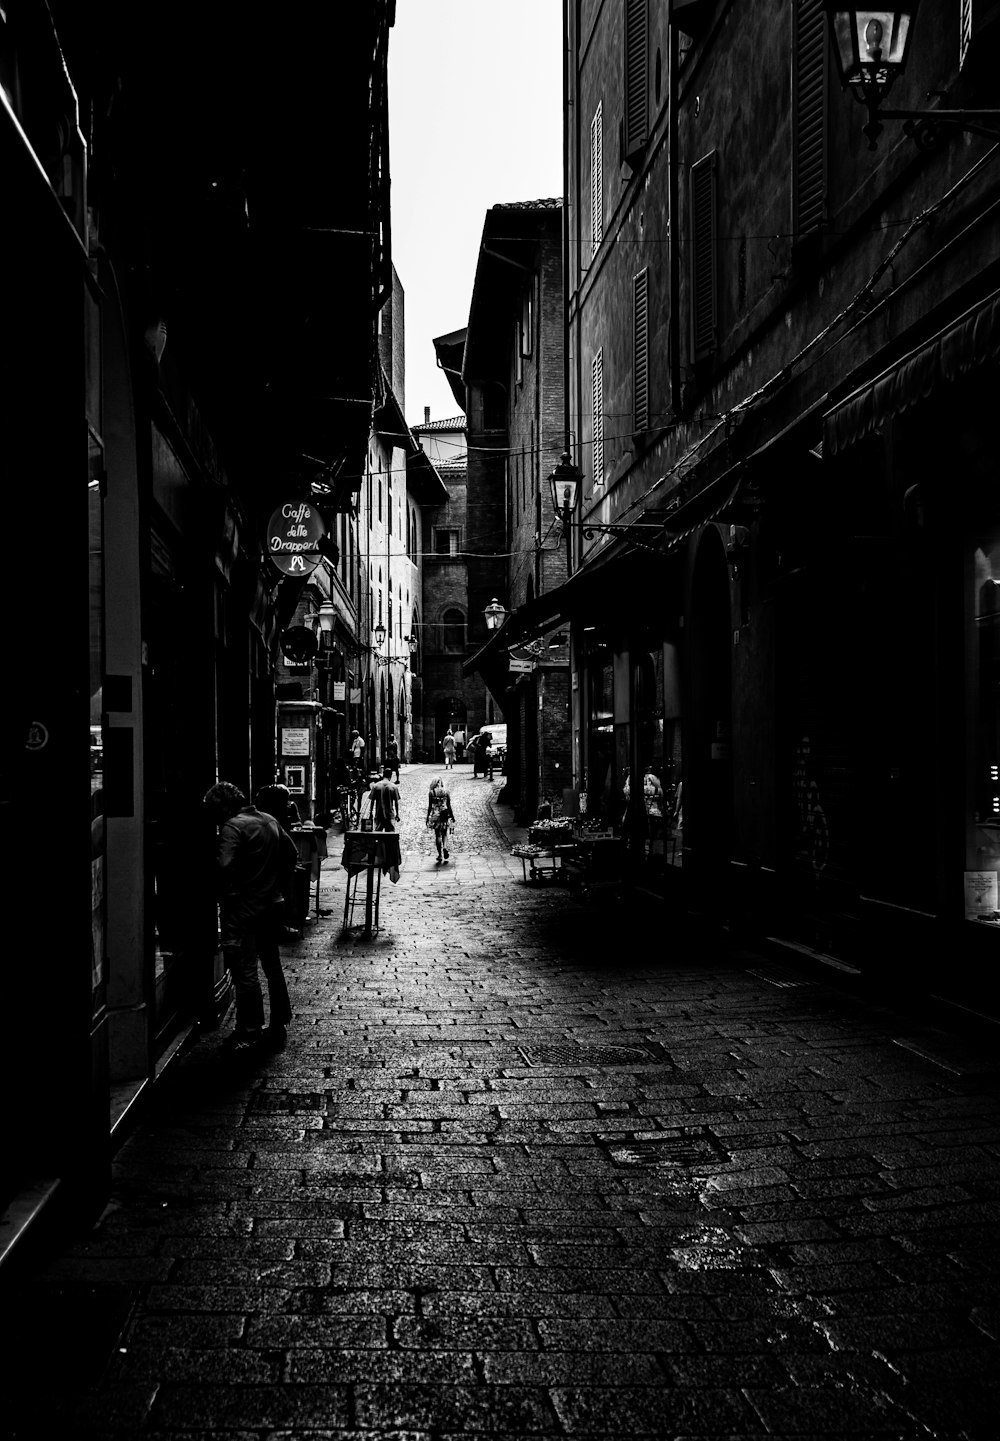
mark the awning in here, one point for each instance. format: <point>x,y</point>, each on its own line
<point>704,506</point>
<point>971,340</point>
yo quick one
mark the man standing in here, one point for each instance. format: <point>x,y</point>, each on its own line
<point>357,747</point>
<point>253,858</point>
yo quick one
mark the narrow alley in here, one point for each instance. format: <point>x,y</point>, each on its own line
<point>539,1168</point>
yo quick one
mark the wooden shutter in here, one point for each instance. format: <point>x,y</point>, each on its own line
<point>596,180</point>
<point>636,116</point>
<point>640,350</point>
<point>809,118</point>
<point>964,31</point>
<point>597,385</point>
<point>704,261</point>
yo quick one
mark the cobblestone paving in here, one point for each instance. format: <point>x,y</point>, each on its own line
<point>536,1169</point>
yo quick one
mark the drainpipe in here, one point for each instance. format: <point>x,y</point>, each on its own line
<point>673,108</point>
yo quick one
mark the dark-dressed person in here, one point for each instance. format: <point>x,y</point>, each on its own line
<point>385,801</point>
<point>440,817</point>
<point>392,758</point>
<point>254,859</point>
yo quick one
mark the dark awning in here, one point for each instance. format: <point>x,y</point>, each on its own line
<point>969,341</point>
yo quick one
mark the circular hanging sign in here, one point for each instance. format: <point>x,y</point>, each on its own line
<point>293,535</point>
<point>299,644</point>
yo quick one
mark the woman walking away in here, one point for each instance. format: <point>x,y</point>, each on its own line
<point>439,816</point>
<point>448,746</point>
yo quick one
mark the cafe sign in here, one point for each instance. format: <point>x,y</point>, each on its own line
<point>294,532</point>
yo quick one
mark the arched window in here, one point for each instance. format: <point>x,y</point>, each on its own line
<point>453,630</point>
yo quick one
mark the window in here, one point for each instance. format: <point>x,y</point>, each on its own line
<point>446,542</point>
<point>635,127</point>
<point>518,351</point>
<point>494,407</point>
<point>388,505</point>
<point>809,124</point>
<point>640,350</point>
<point>596,181</point>
<point>453,630</point>
<point>704,261</point>
<point>380,491</point>
<point>597,388</point>
<point>528,319</point>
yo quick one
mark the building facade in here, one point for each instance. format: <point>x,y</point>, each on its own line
<point>514,358</point>
<point>451,699</point>
<point>780,342</point>
<point>170,281</point>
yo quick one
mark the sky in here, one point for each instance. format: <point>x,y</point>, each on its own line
<point>475,119</point>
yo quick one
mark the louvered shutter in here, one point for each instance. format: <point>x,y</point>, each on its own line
<point>640,350</point>
<point>596,180</point>
<point>809,122</point>
<point>597,379</point>
<point>636,118</point>
<point>964,30</point>
<point>704,264</point>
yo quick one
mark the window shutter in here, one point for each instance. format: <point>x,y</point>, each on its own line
<point>640,350</point>
<point>596,181</point>
<point>964,31</point>
<point>636,77</point>
<point>597,379</point>
<point>809,118</point>
<point>704,263</point>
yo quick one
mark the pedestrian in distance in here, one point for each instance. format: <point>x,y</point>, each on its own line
<point>357,748</point>
<point>255,859</point>
<point>392,757</point>
<point>448,746</point>
<point>440,817</point>
<point>486,743</point>
<point>385,801</point>
<point>459,746</point>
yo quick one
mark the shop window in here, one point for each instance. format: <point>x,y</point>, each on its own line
<point>982,850</point>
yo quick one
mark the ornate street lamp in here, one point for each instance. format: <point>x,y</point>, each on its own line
<point>379,634</point>
<point>495,615</point>
<point>566,482</point>
<point>872,47</point>
<point>412,642</point>
<point>325,617</point>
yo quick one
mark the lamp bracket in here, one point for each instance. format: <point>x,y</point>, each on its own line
<point>927,128</point>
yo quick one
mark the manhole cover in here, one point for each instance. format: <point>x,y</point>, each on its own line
<point>287,1103</point>
<point>671,1151</point>
<point>572,1053</point>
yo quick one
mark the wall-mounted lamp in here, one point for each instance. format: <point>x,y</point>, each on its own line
<point>872,47</point>
<point>379,634</point>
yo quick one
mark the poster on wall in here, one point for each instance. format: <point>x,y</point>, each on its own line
<point>981,896</point>
<point>340,690</point>
<point>295,741</point>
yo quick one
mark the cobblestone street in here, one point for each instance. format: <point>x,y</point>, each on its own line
<point>538,1168</point>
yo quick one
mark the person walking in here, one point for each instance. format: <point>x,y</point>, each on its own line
<point>357,748</point>
<point>459,746</point>
<point>392,757</point>
<point>440,817</point>
<point>254,858</point>
<point>486,743</point>
<point>448,746</point>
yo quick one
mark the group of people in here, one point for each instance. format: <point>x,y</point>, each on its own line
<point>256,864</point>
<point>454,748</point>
